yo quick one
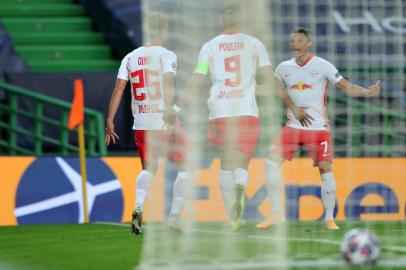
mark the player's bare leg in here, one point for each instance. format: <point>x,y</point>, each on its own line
<point>180,191</point>
<point>142,186</point>
<point>226,187</point>
<point>274,185</point>
<point>235,161</point>
<point>328,193</point>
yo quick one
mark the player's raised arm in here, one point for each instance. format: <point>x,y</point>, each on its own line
<point>115,100</point>
<point>359,91</point>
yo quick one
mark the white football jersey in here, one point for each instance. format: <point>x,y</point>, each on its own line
<point>144,67</point>
<point>307,86</point>
<point>232,61</point>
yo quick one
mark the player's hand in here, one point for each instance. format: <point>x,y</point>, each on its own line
<point>301,115</point>
<point>375,89</point>
<point>111,135</point>
<point>169,129</point>
<point>169,116</point>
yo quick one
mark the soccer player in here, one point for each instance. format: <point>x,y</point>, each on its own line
<point>232,60</point>
<point>151,70</point>
<point>306,79</point>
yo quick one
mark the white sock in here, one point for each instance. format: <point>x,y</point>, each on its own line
<point>142,186</point>
<point>328,194</point>
<point>274,185</point>
<point>226,187</point>
<point>180,191</point>
<point>241,176</point>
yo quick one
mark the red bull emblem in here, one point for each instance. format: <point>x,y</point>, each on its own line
<point>301,86</point>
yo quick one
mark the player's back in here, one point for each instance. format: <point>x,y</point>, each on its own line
<point>233,61</point>
<point>145,67</point>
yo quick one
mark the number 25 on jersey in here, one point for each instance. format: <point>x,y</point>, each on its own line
<point>144,81</point>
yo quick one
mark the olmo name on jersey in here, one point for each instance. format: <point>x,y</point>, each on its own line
<point>148,108</point>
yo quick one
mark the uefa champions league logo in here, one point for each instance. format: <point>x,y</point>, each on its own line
<point>50,191</point>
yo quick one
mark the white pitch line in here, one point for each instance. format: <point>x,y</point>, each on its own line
<point>324,241</point>
<point>113,224</point>
<point>315,240</point>
<point>265,264</point>
<point>394,248</point>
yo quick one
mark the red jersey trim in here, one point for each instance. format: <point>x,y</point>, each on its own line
<point>325,116</point>
<point>232,32</point>
<point>306,61</point>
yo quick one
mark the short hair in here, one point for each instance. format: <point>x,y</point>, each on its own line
<point>304,31</point>
<point>231,15</point>
<point>155,24</point>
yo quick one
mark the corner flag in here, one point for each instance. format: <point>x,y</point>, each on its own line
<point>76,112</point>
<point>76,118</point>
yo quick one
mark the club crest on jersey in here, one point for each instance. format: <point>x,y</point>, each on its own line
<point>301,86</point>
<point>173,65</point>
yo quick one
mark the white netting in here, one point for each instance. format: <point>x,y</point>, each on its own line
<point>206,241</point>
<point>365,41</point>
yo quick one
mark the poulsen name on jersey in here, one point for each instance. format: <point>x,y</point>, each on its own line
<point>231,46</point>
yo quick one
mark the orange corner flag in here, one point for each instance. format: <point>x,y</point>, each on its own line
<point>76,111</point>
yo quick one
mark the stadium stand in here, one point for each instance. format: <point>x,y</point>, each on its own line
<point>119,20</point>
<point>56,36</point>
<point>120,23</point>
<point>10,61</point>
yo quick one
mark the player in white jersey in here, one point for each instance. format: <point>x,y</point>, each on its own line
<point>232,59</point>
<point>306,78</point>
<point>151,70</point>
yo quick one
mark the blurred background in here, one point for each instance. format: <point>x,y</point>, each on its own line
<point>46,44</point>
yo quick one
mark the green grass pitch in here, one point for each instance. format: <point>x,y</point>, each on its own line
<point>111,246</point>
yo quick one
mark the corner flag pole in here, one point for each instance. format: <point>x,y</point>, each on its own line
<point>76,118</point>
<point>82,157</point>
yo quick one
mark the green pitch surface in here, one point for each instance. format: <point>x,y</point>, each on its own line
<point>307,245</point>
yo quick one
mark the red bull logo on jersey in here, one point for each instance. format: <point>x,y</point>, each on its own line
<point>301,86</point>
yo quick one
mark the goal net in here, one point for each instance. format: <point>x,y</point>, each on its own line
<point>365,41</point>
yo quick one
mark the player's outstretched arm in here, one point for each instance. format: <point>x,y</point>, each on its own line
<point>354,90</point>
<point>193,88</point>
<point>183,101</point>
<point>115,100</point>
